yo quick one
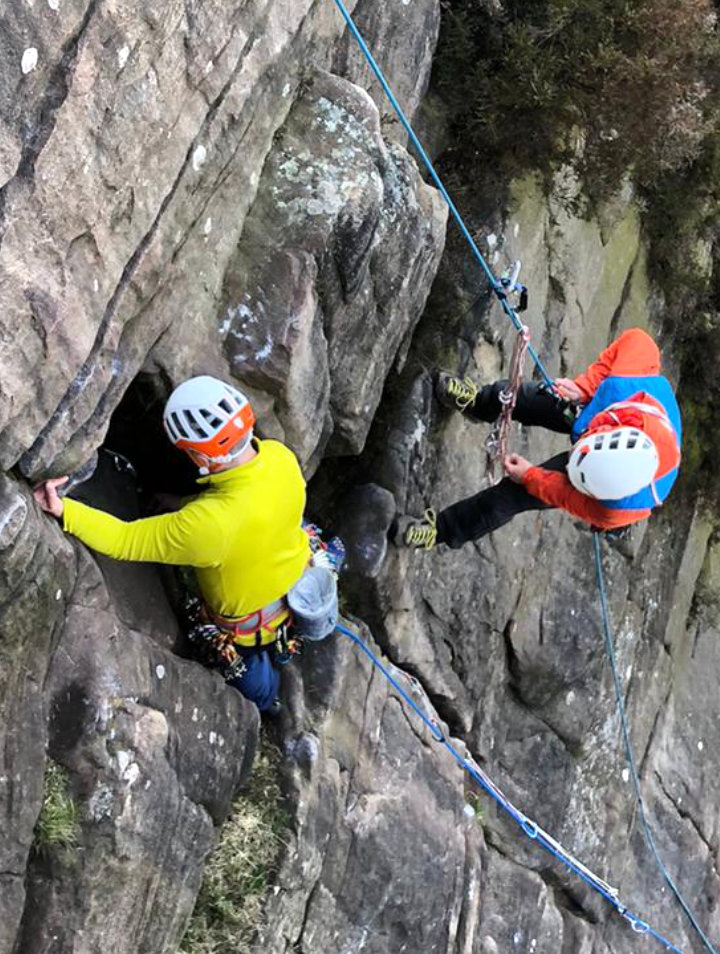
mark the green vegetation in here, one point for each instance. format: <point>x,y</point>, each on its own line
<point>238,872</point>
<point>475,801</point>
<point>57,824</point>
<point>610,89</point>
<point>604,85</point>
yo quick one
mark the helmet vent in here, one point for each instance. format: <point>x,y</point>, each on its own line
<point>598,442</point>
<point>175,418</point>
<point>225,405</point>
<point>212,419</point>
<point>631,441</point>
<point>614,441</point>
<point>194,425</point>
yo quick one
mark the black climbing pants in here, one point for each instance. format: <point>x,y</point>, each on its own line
<point>475,516</point>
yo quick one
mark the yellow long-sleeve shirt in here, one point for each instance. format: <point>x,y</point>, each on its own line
<point>243,534</point>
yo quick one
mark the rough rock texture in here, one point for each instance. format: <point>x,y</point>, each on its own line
<point>156,121</point>
<point>403,43</point>
<point>506,636</point>
<point>155,747</point>
<point>186,188</point>
<point>380,811</point>
<point>159,162</point>
<point>331,273</point>
<point>37,569</point>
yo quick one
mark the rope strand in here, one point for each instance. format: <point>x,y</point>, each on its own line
<point>647,832</point>
<point>496,286</point>
<point>531,829</point>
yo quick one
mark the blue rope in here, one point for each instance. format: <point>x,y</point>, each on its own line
<point>499,291</point>
<point>629,750</point>
<point>496,286</point>
<point>530,828</point>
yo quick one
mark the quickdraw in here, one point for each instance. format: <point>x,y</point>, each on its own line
<point>497,439</point>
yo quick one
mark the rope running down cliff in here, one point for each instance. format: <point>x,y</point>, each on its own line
<point>500,292</point>
<point>529,827</point>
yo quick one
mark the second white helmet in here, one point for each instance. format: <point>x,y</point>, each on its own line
<point>613,464</point>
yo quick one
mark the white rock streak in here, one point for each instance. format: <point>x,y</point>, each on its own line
<point>29,60</point>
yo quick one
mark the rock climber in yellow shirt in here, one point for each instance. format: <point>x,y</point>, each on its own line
<point>242,534</point>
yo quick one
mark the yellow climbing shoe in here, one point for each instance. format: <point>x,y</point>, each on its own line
<point>455,393</point>
<point>416,532</point>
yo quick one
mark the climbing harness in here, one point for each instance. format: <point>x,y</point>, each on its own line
<point>496,441</point>
<point>255,629</point>
<point>214,647</point>
<point>617,682</point>
<point>530,828</point>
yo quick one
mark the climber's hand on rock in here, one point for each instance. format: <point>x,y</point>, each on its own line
<point>516,467</point>
<point>568,390</point>
<point>47,496</point>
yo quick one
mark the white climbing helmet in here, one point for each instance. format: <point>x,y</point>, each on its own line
<point>211,420</point>
<point>613,464</point>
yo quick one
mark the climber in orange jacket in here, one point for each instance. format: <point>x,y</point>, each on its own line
<point>623,462</point>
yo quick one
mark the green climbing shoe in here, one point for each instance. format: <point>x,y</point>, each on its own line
<point>416,532</point>
<point>456,393</point>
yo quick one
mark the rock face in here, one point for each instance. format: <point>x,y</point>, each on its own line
<point>161,168</point>
<point>330,275</point>
<point>506,636</point>
<point>155,747</point>
<point>148,246</point>
<point>218,187</point>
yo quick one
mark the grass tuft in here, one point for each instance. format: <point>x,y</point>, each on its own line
<point>238,872</point>
<point>57,824</point>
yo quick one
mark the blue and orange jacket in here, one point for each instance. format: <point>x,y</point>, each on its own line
<point>623,387</point>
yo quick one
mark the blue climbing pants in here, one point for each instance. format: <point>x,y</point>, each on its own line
<point>260,682</point>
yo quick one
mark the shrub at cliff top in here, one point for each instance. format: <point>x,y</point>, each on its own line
<point>605,85</point>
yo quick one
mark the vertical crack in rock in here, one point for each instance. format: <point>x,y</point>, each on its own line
<point>624,298</point>
<point>655,727</point>
<point>39,130</point>
<point>298,943</point>
<point>685,815</point>
<point>565,898</point>
<point>30,458</point>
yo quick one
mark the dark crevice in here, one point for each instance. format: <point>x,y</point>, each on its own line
<point>565,898</point>
<point>443,705</point>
